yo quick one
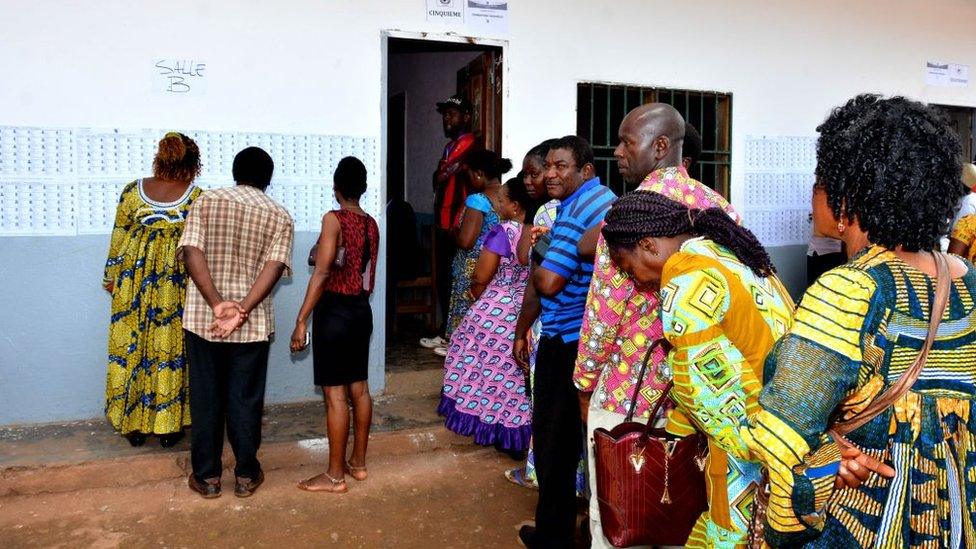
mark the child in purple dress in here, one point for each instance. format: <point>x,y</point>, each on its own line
<point>484,390</point>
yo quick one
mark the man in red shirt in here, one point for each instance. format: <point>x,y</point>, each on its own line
<point>450,189</point>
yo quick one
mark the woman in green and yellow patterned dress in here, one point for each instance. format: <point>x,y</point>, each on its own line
<point>722,308</point>
<point>887,181</point>
<point>147,388</point>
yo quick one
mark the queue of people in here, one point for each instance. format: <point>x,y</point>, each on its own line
<point>851,410</point>
<point>842,421</point>
<point>192,275</point>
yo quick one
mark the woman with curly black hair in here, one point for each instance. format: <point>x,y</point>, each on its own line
<point>722,307</point>
<point>887,181</point>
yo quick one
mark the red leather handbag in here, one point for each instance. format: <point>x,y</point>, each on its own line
<point>650,485</point>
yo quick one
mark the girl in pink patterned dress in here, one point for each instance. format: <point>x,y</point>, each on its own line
<point>484,390</point>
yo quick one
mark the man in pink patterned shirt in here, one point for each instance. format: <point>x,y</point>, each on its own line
<point>620,321</point>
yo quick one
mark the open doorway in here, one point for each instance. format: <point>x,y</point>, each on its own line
<point>421,73</point>
<point>963,121</point>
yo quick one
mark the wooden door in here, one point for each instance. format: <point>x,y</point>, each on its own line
<point>481,83</point>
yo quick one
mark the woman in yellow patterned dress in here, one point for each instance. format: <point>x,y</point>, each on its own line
<point>887,181</point>
<point>722,308</point>
<point>962,240</point>
<point>147,393</point>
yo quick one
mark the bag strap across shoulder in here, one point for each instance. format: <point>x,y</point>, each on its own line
<point>908,378</point>
<point>367,252</point>
<point>663,343</point>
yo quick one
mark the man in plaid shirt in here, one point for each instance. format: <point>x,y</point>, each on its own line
<point>236,245</point>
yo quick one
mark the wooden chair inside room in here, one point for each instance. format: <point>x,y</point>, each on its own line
<point>417,296</point>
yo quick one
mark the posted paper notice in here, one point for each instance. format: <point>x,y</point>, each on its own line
<point>450,12</point>
<point>487,15</point>
<point>946,75</point>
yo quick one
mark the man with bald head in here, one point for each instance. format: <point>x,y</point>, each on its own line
<point>621,321</point>
<point>650,138</point>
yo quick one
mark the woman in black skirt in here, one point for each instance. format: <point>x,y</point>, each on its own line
<point>337,299</point>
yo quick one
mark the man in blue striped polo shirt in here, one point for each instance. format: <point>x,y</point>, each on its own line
<point>562,280</point>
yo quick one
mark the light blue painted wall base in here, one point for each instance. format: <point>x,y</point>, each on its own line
<point>54,329</point>
<point>55,316</point>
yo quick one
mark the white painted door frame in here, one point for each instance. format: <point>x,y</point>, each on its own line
<point>385,36</point>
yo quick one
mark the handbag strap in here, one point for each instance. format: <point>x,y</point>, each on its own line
<point>367,252</point>
<point>640,381</point>
<point>908,378</point>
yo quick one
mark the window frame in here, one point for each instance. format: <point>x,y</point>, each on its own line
<point>714,166</point>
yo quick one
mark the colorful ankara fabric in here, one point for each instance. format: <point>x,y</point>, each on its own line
<point>545,216</point>
<point>578,213</point>
<point>965,232</point>
<point>621,321</point>
<point>721,320</point>
<point>965,207</point>
<point>858,328</point>
<point>239,229</point>
<point>462,269</point>
<point>484,390</point>
<point>147,385</point>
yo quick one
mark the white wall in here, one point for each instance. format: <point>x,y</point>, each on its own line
<point>317,67</point>
<point>426,78</point>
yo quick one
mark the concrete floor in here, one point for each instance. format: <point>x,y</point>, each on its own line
<point>445,498</point>
<point>80,485</point>
<point>413,384</point>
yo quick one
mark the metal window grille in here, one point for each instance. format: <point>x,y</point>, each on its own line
<point>601,107</point>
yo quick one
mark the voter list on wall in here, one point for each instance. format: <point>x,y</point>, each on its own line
<point>779,175</point>
<point>66,181</point>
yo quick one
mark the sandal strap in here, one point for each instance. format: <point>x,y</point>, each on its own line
<point>334,481</point>
<point>352,468</point>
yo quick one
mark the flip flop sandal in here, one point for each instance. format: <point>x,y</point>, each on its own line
<point>305,485</point>
<point>518,476</point>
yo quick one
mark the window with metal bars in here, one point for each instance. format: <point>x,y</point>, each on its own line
<point>601,107</point>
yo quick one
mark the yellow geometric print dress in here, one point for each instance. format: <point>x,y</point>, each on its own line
<point>721,320</point>
<point>147,382</point>
<point>858,328</point>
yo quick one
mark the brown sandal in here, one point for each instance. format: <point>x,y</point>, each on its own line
<point>355,473</point>
<point>338,486</point>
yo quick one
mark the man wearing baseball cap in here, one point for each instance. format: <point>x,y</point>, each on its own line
<point>450,189</point>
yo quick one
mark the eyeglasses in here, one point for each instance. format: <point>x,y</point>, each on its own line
<point>560,167</point>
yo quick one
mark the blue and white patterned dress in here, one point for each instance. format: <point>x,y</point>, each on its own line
<point>463,266</point>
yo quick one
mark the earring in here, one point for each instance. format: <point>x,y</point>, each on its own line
<point>841,227</point>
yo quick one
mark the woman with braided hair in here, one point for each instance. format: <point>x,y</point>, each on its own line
<point>722,308</point>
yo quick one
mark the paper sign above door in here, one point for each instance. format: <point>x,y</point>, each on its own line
<point>474,16</point>
<point>446,11</point>
<point>949,75</point>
